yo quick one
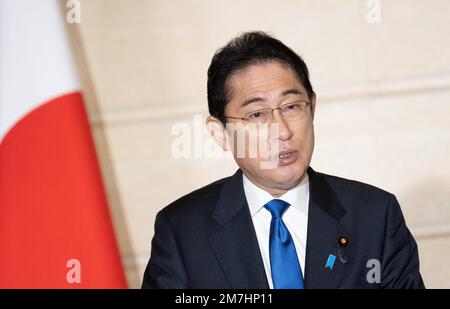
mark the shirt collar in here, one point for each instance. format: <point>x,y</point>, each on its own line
<point>298,197</point>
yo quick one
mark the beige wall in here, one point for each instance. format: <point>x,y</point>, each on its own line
<point>382,116</point>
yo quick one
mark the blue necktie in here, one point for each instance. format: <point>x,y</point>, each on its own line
<point>286,271</point>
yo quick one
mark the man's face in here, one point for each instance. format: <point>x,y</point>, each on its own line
<point>271,85</point>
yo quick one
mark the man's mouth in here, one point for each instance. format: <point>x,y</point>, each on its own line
<point>287,157</point>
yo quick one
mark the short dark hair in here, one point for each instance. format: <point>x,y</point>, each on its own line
<point>247,49</point>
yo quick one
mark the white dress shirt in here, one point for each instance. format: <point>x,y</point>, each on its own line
<point>295,218</point>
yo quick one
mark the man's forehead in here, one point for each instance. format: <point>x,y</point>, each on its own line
<point>264,70</point>
<point>264,80</point>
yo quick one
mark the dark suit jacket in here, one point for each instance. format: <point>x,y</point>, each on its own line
<point>206,239</point>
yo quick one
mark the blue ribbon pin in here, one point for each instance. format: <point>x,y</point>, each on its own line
<point>330,262</point>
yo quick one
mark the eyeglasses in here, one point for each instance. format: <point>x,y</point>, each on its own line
<point>296,110</point>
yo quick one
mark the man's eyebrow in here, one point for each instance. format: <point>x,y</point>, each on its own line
<point>291,91</point>
<point>259,99</point>
<point>252,100</point>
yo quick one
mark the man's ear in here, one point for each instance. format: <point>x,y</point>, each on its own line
<point>218,132</point>
<point>313,104</point>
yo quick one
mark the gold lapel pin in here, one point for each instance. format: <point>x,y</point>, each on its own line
<point>343,241</point>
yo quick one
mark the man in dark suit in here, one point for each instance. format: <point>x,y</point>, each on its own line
<point>276,223</point>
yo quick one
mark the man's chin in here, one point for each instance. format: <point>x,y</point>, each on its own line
<point>285,179</point>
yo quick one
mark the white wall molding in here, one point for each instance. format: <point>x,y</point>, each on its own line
<point>431,231</point>
<point>147,112</point>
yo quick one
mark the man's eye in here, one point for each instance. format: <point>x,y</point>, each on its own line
<point>255,115</point>
<point>293,106</point>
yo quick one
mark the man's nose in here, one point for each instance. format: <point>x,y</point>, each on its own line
<point>284,132</point>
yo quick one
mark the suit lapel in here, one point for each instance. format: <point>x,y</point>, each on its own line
<point>324,232</point>
<point>236,247</point>
<point>234,243</point>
